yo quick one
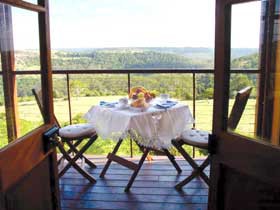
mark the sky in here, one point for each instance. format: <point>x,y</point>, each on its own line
<point>136,23</point>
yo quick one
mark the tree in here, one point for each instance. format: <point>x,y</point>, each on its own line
<point>238,82</point>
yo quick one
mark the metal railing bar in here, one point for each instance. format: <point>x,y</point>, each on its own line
<point>152,71</point>
<point>128,90</point>
<point>128,83</point>
<point>69,99</point>
<point>134,71</point>
<point>193,99</point>
<point>137,71</point>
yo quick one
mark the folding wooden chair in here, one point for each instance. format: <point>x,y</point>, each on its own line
<point>199,138</point>
<point>72,136</point>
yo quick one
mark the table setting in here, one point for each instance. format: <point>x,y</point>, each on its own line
<point>140,101</point>
<point>152,122</point>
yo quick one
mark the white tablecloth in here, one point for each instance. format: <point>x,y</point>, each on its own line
<point>152,128</point>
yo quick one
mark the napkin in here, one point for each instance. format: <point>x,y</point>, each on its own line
<point>108,104</point>
<point>166,104</point>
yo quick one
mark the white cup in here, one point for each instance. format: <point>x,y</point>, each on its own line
<point>123,101</point>
<point>164,96</point>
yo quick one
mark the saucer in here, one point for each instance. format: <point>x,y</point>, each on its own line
<point>167,104</point>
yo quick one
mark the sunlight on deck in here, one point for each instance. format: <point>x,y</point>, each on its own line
<point>153,188</point>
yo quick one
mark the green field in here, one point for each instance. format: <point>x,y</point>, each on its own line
<point>30,118</point>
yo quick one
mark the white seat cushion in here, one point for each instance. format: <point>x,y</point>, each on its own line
<point>195,137</point>
<point>76,131</point>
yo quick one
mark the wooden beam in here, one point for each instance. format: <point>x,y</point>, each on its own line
<point>262,66</point>
<point>24,5</point>
<point>46,66</point>
<point>268,69</point>
<point>238,1</point>
<point>8,67</point>
<point>138,71</point>
<point>275,136</point>
<point>221,85</point>
<point>222,66</point>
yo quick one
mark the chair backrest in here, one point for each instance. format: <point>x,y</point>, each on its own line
<point>238,108</point>
<point>38,96</point>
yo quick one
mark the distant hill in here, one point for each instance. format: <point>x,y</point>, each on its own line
<point>130,58</point>
<point>190,52</point>
<point>241,52</point>
<point>246,62</point>
<point>125,59</point>
<point>137,57</point>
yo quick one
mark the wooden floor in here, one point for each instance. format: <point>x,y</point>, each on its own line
<point>153,188</point>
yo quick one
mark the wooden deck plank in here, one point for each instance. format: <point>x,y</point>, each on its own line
<point>121,183</point>
<point>145,167</point>
<point>151,172</point>
<point>159,160</point>
<point>130,197</point>
<point>113,176</point>
<point>135,190</point>
<point>152,189</point>
<point>154,163</point>
<point>130,205</point>
<point>141,177</point>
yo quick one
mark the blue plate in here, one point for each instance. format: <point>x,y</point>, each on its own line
<point>108,104</point>
<point>167,104</point>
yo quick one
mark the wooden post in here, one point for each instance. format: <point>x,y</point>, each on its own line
<point>8,68</point>
<point>47,87</point>
<point>46,67</point>
<point>275,135</point>
<point>262,64</point>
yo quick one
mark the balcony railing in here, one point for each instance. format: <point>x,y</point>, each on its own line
<point>124,79</point>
